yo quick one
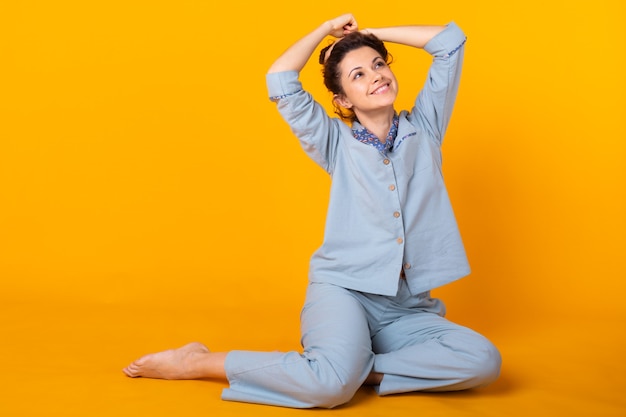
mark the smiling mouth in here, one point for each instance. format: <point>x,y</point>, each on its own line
<point>381,90</point>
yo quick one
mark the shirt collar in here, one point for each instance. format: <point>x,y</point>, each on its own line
<point>365,136</point>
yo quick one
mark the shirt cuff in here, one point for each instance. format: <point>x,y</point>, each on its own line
<point>282,84</point>
<point>446,42</point>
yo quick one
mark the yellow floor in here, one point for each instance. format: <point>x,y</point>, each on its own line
<point>65,359</point>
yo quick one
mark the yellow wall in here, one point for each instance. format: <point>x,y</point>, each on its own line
<point>141,161</point>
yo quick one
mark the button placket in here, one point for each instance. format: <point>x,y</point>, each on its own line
<point>392,187</point>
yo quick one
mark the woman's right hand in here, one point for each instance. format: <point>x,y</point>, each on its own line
<point>297,55</point>
<point>343,25</point>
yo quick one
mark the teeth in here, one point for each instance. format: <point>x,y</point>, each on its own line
<point>379,89</point>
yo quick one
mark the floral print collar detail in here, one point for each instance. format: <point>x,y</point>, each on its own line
<point>365,136</point>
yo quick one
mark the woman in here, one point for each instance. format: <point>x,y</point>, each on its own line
<point>390,235</point>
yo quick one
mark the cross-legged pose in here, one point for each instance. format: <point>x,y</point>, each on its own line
<point>390,235</point>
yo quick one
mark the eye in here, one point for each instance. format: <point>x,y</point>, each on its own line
<point>357,75</point>
<point>380,63</point>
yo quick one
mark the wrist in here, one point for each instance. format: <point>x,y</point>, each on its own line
<point>328,27</point>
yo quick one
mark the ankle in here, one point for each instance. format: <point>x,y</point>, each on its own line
<point>213,364</point>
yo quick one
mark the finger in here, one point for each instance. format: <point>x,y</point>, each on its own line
<point>351,26</point>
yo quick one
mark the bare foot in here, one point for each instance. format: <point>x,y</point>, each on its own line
<point>192,361</point>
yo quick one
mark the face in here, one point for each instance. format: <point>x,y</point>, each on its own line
<point>368,82</point>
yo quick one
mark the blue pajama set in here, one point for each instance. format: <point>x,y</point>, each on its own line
<point>390,237</point>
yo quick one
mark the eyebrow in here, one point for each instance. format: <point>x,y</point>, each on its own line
<point>357,68</point>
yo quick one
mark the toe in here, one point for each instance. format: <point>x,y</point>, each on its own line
<point>132,370</point>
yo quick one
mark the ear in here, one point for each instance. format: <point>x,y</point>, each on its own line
<point>342,101</point>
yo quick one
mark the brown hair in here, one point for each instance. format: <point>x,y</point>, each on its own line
<point>330,69</point>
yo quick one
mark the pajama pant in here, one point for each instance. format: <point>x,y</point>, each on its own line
<point>347,334</point>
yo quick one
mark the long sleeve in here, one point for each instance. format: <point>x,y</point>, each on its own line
<point>435,102</point>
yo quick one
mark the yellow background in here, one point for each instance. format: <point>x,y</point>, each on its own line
<point>150,192</point>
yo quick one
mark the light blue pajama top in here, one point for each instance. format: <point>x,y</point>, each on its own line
<point>387,213</point>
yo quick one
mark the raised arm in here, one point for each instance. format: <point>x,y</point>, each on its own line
<point>435,101</point>
<point>417,36</point>
<point>296,56</point>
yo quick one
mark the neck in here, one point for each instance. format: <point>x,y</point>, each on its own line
<point>378,123</point>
